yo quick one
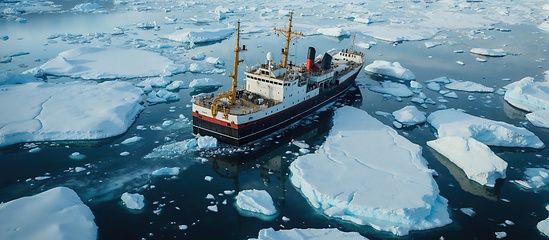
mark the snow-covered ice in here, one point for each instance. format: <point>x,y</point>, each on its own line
<point>539,118</point>
<point>39,111</point>
<point>384,183</point>
<point>452,122</point>
<point>392,88</point>
<point>134,201</point>
<point>476,159</point>
<point>543,226</point>
<point>528,95</point>
<point>386,68</point>
<point>200,35</point>
<point>468,86</point>
<point>256,201</point>
<point>161,96</point>
<point>334,32</point>
<point>166,171</point>
<point>535,179</point>
<point>202,83</point>
<point>409,115</point>
<point>107,63</point>
<point>57,213</point>
<point>304,234</point>
<point>489,52</point>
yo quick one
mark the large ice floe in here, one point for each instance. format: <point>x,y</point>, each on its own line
<point>394,70</point>
<point>200,35</point>
<point>39,111</point>
<point>108,63</point>
<point>543,225</point>
<point>255,203</point>
<point>528,95</point>
<point>539,118</point>
<point>476,159</point>
<point>306,234</point>
<point>452,122</point>
<point>468,86</point>
<point>409,115</point>
<point>376,177</point>
<point>392,88</point>
<point>54,214</point>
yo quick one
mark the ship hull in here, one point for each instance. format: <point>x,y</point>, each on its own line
<point>260,128</point>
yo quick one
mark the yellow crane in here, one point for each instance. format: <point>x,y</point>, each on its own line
<point>231,94</point>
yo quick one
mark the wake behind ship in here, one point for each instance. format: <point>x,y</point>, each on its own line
<point>276,95</point>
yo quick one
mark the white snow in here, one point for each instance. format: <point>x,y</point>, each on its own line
<point>409,115</point>
<point>134,201</point>
<point>386,68</point>
<point>489,52</point>
<point>39,111</point>
<point>468,86</point>
<point>307,234</point>
<point>543,226</point>
<point>107,63</point>
<point>201,83</point>
<point>200,35</point>
<point>334,32</point>
<point>257,201</point>
<point>451,122</point>
<point>54,214</point>
<point>166,171</point>
<point>476,159</point>
<point>528,95</point>
<point>539,118</point>
<point>384,183</point>
<point>392,88</point>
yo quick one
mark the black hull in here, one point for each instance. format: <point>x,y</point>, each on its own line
<point>264,127</point>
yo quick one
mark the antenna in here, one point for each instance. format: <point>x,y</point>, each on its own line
<point>288,34</point>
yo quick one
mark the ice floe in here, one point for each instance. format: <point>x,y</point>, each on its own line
<point>489,52</point>
<point>57,213</point>
<point>200,35</point>
<point>536,179</point>
<point>392,88</point>
<point>134,201</point>
<point>409,116</point>
<point>39,111</point>
<point>334,32</point>
<point>204,83</point>
<point>539,118</point>
<point>476,159</point>
<point>452,122</point>
<point>528,95</point>
<point>468,86</point>
<point>256,201</point>
<point>543,225</point>
<point>386,68</point>
<point>384,183</point>
<point>107,63</point>
<point>166,171</point>
<point>175,149</point>
<point>309,233</point>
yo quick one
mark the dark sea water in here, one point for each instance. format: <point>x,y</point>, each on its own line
<point>181,200</point>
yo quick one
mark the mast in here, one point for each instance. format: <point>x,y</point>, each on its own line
<point>288,34</point>
<point>231,94</point>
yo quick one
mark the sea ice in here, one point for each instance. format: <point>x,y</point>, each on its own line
<point>392,88</point>
<point>133,200</point>
<point>131,140</point>
<point>304,234</point>
<point>334,32</point>
<point>528,95</point>
<point>200,35</point>
<point>451,122</point>
<point>39,111</point>
<point>107,63</point>
<point>161,96</point>
<point>543,226</point>
<point>536,178</point>
<point>256,201</point>
<point>166,171</point>
<point>539,118</point>
<point>202,83</point>
<point>489,52</point>
<point>476,159</point>
<point>205,142</point>
<point>13,78</point>
<point>394,70</point>
<point>409,115</point>
<point>384,183</point>
<point>54,214</point>
<point>544,26</point>
<point>468,86</point>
